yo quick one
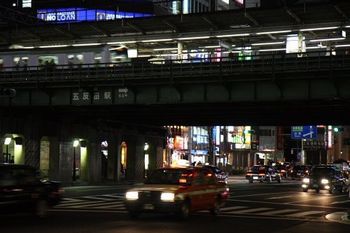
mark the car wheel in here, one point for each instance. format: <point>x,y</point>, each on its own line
<point>305,190</point>
<point>42,208</point>
<point>184,210</point>
<point>250,181</point>
<point>216,209</point>
<point>332,190</point>
<point>317,190</point>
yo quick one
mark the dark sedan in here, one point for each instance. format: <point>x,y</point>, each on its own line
<point>325,178</point>
<point>21,190</point>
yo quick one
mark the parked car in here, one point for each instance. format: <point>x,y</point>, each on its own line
<point>177,190</point>
<point>325,178</point>
<point>220,174</point>
<point>263,173</point>
<point>22,190</point>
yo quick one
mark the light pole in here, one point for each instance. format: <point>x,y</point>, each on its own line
<point>7,142</point>
<point>75,144</point>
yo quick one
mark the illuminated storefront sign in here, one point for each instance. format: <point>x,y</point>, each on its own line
<point>82,14</point>
<point>27,3</point>
<point>241,137</point>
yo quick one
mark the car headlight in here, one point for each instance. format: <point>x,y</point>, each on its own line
<point>306,180</point>
<point>324,181</point>
<point>132,195</point>
<point>167,197</point>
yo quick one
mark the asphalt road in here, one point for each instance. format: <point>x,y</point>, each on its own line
<point>251,208</point>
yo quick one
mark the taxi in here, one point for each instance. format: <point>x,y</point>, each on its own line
<point>179,191</point>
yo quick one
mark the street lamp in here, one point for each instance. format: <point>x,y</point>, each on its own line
<point>75,144</point>
<point>7,142</point>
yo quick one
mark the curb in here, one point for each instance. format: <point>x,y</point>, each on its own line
<point>340,217</point>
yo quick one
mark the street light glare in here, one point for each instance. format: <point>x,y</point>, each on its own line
<point>7,141</point>
<point>76,143</point>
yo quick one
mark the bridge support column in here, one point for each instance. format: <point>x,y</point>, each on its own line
<point>136,158</point>
<point>1,150</point>
<point>155,152</point>
<point>94,154</point>
<point>113,163</point>
<point>54,159</point>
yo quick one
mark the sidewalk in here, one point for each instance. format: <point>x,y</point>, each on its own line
<point>340,217</point>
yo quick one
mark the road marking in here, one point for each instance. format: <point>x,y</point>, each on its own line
<point>282,197</point>
<point>284,211</point>
<point>287,204</point>
<point>79,203</point>
<point>252,210</point>
<point>339,202</point>
<point>261,194</point>
<point>226,209</point>
<point>303,214</point>
<point>111,206</point>
<point>99,198</point>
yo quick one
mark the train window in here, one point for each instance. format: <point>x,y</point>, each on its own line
<point>98,58</point>
<point>75,59</point>
<point>45,60</point>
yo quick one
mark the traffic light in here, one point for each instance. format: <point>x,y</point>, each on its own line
<point>7,92</point>
<point>337,129</point>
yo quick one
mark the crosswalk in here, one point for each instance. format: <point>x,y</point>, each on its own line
<point>114,203</point>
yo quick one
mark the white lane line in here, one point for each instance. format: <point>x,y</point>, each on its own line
<point>88,205</point>
<point>251,210</point>
<point>306,213</point>
<point>121,205</point>
<point>225,209</point>
<point>98,198</point>
<point>284,211</point>
<point>281,197</point>
<point>116,195</point>
<point>70,200</point>
<point>79,203</point>
<point>262,194</point>
<point>88,211</point>
<point>339,202</point>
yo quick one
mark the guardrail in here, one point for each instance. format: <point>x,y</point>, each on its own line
<point>190,70</point>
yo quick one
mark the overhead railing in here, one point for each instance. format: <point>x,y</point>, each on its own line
<point>258,67</point>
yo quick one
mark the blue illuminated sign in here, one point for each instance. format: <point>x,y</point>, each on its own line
<point>82,14</point>
<point>304,132</point>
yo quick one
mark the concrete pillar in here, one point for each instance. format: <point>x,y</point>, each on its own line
<point>54,159</point>
<point>112,166</point>
<point>135,157</point>
<point>27,153</point>
<point>83,148</point>
<point>1,150</point>
<point>94,151</point>
<point>66,160</point>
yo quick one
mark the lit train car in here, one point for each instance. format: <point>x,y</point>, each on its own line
<point>31,58</point>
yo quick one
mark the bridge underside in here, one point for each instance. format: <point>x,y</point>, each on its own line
<point>333,112</point>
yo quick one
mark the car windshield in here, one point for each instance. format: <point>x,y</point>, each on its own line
<point>165,176</point>
<point>255,169</point>
<point>322,172</point>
